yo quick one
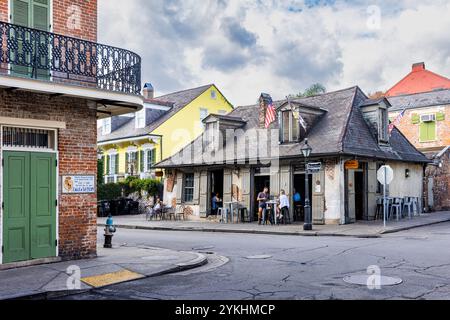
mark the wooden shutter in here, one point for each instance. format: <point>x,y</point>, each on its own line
<point>117,164</point>
<point>427,131</point>
<point>127,162</point>
<point>415,118</point>
<point>204,194</point>
<point>141,161</point>
<point>179,187</point>
<point>107,161</point>
<point>440,116</point>
<point>20,13</point>
<point>41,15</point>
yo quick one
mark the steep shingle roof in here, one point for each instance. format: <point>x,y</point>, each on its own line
<point>420,100</point>
<point>342,130</point>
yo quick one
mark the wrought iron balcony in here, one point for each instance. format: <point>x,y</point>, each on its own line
<point>37,54</point>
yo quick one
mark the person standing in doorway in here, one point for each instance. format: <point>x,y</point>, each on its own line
<point>263,197</point>
<point>215,204</point>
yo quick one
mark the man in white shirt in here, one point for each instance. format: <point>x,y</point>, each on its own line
<point>284,206</point>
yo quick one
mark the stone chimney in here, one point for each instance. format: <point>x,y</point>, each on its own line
<point>418,66</point>
<point>148,92</point>
<point>263,103</point>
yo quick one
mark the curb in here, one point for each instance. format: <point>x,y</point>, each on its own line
<point>413,227</point>
<point>198,261</point>
<point>263,232</point>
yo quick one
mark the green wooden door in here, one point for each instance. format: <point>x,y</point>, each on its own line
<point>43,206</point>
<point>29,195</point>
<point>16,203</point>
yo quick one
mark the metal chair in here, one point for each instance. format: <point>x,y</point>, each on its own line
<point>408,203</point>
<point>244,215</point>
<point>396,208</point>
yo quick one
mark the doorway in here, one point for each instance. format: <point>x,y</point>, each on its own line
<point>216,187</point>
<point>359,195</point>
<point>299,187</point>
<point>261,182</point>
<point>29,200</point>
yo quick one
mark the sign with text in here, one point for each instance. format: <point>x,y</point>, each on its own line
<point>352,165</point>
<point>78,184</point>
<point>314,167</point>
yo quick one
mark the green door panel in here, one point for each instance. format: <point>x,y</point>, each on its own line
<point>16,213</point>
<point>43,207</point>
<point>29,195</point>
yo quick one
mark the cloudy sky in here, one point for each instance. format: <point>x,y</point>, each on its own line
<point>247,47</point>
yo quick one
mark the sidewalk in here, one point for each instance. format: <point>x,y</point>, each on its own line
<point>366,229</point>
<point>120,264</point>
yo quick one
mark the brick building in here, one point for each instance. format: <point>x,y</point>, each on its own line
<point>55,82</point>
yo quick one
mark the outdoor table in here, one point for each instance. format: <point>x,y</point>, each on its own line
<point>230,204</point>
<point>274,204</point>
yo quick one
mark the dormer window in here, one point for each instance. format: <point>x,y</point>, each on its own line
<point>106,126</point>
<point>289,126</point>
<point>140,119</point>
<point>383,129</point>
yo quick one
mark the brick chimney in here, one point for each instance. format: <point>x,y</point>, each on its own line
<point>418,66</point>
<point>263,103</point>
<point>148,92</point>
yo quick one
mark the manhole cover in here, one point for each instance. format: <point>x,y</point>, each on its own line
<point>260,257</point>
<point>363,280</point>
<point>203,248</point>
<point>160,258</point>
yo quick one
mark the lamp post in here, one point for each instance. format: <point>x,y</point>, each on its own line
<point>306,151</point>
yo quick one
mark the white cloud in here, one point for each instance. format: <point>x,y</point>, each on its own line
<point>279,47</point>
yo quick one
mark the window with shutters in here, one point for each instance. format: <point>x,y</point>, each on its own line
<point>151,159</point>
<point>188,187</point>
<point>203,115</point>
<point>289,126</point>
<point>132,162</point>
<point>113,160</point>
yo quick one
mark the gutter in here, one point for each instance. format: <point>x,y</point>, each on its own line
<point>135,138</point>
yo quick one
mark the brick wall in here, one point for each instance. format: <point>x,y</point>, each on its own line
<point>77,155</point>
<point>75,18</point>
<point>441,183</point>
<point>4,10</point>
<point>411,131</point>
<point>65,14</point>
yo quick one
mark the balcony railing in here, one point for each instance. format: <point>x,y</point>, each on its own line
<point>53,57</point>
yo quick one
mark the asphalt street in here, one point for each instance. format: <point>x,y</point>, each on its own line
<point>292,267</point>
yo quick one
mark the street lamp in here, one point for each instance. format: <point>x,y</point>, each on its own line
<point>306,151</point>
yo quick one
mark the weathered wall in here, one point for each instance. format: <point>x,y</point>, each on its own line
<point>440,183</point>
<point>411,130</point>
<point>334,192</point>
<point>77,155</point>
<point>402,186</point>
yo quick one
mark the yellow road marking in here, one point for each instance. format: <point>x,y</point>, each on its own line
<point>111,278</point>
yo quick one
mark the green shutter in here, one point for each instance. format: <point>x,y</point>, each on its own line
<point>21,17</point>
<point>427,131</point>
<point>41,15</point>
<point>415,118</point>
<point>117,164</point>
<point>107,160</point>
<point>127,162</point>
<point>141,161</point>
<point>440,116</point>
<point>20,13</point>
<point>153,157</point>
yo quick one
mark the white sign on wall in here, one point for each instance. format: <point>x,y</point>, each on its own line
<point>78,184</point>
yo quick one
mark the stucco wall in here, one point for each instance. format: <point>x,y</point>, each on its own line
<point>402,186</point>
<point>334,194</point>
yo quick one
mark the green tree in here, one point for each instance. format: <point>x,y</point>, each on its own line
<point>313,90</point>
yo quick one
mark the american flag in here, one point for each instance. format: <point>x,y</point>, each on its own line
<point>270,113</point>
<point>397,121</point>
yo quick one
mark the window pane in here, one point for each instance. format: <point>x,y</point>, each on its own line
<point>286,126</point>
<point>189,187</point>
<point>295,126</point>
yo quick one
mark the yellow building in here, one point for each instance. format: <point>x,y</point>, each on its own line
<point>131,144</point>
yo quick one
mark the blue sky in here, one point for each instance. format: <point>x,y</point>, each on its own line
<point>247,47</point>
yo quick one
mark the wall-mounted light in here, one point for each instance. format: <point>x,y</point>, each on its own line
<point>407,173</point>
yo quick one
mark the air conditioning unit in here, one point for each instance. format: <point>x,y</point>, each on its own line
<point>428,118</point>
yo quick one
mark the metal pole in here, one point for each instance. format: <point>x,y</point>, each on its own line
<point>384,197</point>
<point>308,218</point>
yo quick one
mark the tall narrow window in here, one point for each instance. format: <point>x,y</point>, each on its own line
<point>188,187</point>
<point>151,159</point>
<point>289,126</point>
<point>203,115</point>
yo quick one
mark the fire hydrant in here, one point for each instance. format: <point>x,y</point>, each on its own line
<point>110,229</point>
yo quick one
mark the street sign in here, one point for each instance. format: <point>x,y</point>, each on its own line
<point>314,167</point>
<point>352,164</point>
<point>385,175</point>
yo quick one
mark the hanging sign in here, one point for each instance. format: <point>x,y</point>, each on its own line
<point>78,184</point>
<point>352,165</point>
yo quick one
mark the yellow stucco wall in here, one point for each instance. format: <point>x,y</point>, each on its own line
<point>185,125</point>
<point>178,131</point>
